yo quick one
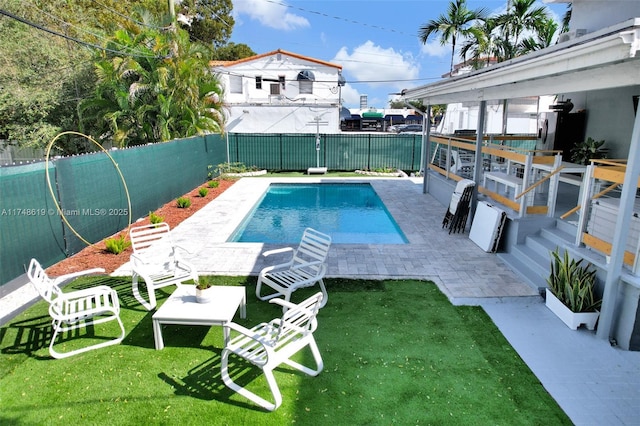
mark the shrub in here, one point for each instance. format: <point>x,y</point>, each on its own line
<point>572,283</point>
<point>235,168</point>
<point>154,218</point>
<point>214,183</point>
<point>203,192</point>
<point>117,245</point>
<point>183,202</point>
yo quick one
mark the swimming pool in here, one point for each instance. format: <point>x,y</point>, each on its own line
<point>352,213</point>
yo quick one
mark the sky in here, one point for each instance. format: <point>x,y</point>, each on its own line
<point>375,41</point>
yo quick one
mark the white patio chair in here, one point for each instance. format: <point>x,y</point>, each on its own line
<point>76,309</point>
<point>306,267</point>
<point>271,344</point>
<point>156,261</point>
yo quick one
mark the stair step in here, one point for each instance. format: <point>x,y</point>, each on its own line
<point>558,236</point>
<point>568,227</point>
<point>537,263</point>
<point>541,246</point>
<point>530,277</point>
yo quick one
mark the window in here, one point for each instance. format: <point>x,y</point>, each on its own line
<point>275,88</point>
<point>258,82</point>
<point>281,80</point>
<point>306,86</point>
<point>235,82</point>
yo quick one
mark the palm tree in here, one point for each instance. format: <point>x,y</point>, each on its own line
<point>543,38</point>
<point>520,16</point>
<point>482,44</point>
<point>456,23</point>
<point>160,88</point>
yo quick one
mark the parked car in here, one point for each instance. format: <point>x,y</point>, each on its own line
<point>411,128</point>
<point>396,128</point>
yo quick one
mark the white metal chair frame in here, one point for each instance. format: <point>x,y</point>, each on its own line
<point>271,344</point>
<point>76,309</point>
<point>155,259</point>
<point>306,267</point>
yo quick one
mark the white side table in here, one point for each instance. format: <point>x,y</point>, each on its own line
<point>181,308</point>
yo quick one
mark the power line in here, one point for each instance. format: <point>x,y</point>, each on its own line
<point>340,18</point>
<point>130,18</point>
<point>75,40</point>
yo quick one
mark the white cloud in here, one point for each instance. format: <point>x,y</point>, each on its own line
<point>434,48</point>
<point>377,65</point>
<point>272,15</point>
<point>350,96</point>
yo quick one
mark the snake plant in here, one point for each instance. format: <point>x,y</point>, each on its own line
<point>572,283</point>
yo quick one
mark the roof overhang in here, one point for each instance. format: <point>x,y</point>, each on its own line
<point>604,59</point>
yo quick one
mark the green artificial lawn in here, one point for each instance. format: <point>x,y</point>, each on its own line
<point>395,352</point>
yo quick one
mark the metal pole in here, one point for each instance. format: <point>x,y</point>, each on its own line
<point>612,282</point>
<point>477,169</point>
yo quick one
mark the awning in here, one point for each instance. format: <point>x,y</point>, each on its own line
<point>306,75</point>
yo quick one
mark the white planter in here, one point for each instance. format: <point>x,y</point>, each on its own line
<point>572,319</point>
<point>204,296</point>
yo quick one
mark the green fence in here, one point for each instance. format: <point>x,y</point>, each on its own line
<point>285,152</point>
<point>93,199</point>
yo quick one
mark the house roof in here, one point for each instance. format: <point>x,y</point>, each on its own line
<point>603,59</point>
<point>273,53</point>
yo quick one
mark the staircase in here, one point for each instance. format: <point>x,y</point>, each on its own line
<point>531,260</point>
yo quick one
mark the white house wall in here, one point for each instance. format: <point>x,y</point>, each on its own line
<point>592,15</point>
<point>283,119</point>
<point>256,110</point>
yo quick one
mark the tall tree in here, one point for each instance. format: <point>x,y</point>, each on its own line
<point>159,89</point>
<point>520,16</point>
<point>543,37</point>
<point>208,21</point>
<point>482,44</point>
<point>456,23</point>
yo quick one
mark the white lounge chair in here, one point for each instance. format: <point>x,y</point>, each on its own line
<point>76,309</point>
<point>306,267</point>
<point>271,344</point>
<point>156,261</point>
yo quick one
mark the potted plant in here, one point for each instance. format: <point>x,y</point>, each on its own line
<point>585,151</point>
<point>203,292</point>
<point>571,291</point>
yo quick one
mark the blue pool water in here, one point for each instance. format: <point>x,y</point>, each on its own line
<point>350,213</point>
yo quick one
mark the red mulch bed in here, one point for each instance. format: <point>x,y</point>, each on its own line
<point>96,256</point>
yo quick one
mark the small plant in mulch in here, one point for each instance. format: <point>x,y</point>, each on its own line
<point>214,183</point>
<point>203,192</point>
<point>155,219</point>
<point>183,202</point>
<point>117,245</point>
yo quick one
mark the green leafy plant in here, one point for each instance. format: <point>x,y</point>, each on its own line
<point>154,218</point>
<point>235,168</point>
<point>183,202</point>
<point>117,245</point>
<point>203,285</point>
<point>210,172</point>
<point>572,283</point>
<point>384,170</point>
<point>214,183</point>
<point>203,192</point>
<point>585,151</point>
